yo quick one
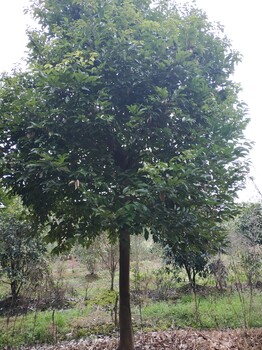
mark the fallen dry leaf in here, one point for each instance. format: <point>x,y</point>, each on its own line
<point>173,339</point>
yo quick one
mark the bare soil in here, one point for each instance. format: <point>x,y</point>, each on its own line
<point>174,340</point>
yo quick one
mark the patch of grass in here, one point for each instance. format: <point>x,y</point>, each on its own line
<point>163,314</point>
<point>39,327</point>
<point>219,312</point>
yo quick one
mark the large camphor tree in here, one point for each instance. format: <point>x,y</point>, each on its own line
<point>125,121</point>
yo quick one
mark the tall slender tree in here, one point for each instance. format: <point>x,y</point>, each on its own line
<point>126,118</point>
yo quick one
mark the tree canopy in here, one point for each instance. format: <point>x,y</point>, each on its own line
<point>122,102</point>
<point>126,119</point>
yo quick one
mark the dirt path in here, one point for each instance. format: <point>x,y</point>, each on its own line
<point>176,340</point>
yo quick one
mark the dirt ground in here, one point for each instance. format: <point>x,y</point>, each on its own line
<point>174,339</point>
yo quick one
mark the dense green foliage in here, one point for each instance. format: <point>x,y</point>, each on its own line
<point>126,117</point>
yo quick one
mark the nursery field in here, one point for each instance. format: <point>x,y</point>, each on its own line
<point>79,311</point>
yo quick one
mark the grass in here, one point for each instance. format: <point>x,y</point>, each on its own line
<point>40,327</point>
<point>213,312</point>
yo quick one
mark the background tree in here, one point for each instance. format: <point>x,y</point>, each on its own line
<point>248,226</point>
<point>109,255</point>
<point>89,255</point>
<point>193,249</point>
<point>249,223</point>
<point>101,252</point>
<point>21,256</point>
<point>126,118</point>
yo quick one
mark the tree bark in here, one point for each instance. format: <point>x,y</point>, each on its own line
<point>125,322</point>
<point>112,275</point>
<point>113,266</point>
<point>14,284</point>
<point>14,290</point>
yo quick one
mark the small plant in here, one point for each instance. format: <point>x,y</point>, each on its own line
<point>142,282</point>
<point>165,283</point>
<point>108,301</point>
<point>251,264</point>
<point>218,269</point>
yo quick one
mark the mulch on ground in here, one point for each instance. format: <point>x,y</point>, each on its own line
<point>174,339</point>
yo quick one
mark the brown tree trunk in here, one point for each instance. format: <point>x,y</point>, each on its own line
<point>112,268</point>
<point>112,275</point>
<point>14,291</point>
<point>14,284</point>
<point>125,323</point>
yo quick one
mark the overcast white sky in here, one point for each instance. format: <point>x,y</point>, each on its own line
<point>243,25</point>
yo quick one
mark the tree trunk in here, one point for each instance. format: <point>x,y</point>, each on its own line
<point>112,275</point>
<point>189,276</point>
<point>14,291</point>
<point>14,285</point>
<point>112,268</point>
<point>125,323</point>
